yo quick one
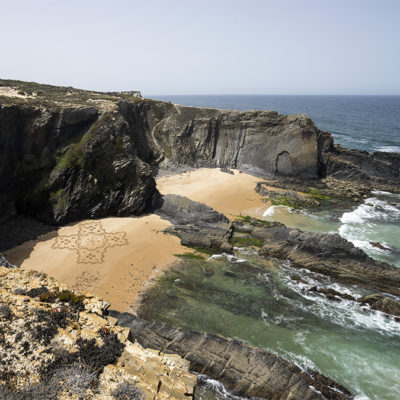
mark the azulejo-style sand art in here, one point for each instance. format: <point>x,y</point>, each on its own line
<point>91,242</point>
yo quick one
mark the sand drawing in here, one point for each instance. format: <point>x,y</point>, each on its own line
<point>91,242</point>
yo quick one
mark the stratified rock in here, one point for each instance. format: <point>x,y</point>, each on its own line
<point>329,254</point>
<point>258,141</point>
<point>196,224</point>
<point>59,344</point>
<point>244,369</point>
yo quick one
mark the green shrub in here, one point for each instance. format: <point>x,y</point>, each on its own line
<point>246,241</point>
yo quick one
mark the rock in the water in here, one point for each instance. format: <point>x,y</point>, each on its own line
<point>329,254</point>
<point>382,303</point>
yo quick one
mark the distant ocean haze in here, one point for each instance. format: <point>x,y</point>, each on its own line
<point>369,123</point>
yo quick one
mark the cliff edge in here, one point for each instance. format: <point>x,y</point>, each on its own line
<point>69,154</point>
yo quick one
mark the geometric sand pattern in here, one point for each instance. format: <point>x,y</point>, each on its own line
<point>90,242</point>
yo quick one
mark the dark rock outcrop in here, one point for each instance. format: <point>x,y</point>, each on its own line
<point>196,224</point>
<point>380,169</point>
<point>61,164</point>
<point>244,369</point>
<point>68,154</point>
<point>329,254</point>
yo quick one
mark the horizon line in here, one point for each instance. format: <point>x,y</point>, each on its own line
<point>268,94</point>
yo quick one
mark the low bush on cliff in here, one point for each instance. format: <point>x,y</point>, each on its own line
<point>127,391</point>
<point>75,301</point>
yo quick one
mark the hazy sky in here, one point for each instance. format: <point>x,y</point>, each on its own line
<point>204,46</point>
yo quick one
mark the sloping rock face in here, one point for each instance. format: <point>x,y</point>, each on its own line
<point>59,344</point>
<point>195,223</point>
<point>246,370</point>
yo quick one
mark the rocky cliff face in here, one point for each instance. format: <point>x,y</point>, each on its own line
<point>258,141</point>
<point>59,344</point>
<point>68,154</point>
<point>64,162</point>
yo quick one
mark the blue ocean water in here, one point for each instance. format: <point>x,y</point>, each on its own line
<point>369,123</point>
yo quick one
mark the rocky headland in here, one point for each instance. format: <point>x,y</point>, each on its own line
<point>69,155</point>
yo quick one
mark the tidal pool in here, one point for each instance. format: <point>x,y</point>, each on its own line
<point>256,300</point>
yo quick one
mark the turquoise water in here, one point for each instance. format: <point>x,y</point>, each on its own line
<point>369,123</point>
<point>256,300</point>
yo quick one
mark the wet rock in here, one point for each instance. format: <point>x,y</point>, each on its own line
<point>382,303</point>
<point>332,255</point>
<point>379,170</point>
<point>244,369</point>
<point>379,246</point>
<point>332,294</point>
<point>298,279</point>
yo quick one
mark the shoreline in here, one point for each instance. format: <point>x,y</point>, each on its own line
<point>118,258</point>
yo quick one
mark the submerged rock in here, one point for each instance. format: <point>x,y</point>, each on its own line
<point>244,369</point>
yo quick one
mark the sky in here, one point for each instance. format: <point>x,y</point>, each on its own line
<point>204,46</point>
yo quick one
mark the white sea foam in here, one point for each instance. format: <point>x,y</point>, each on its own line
<point>231,258</point>
<point>389,149</point>
<point>372,209</point>
<point>361,223</point>
<point>269,211</point>
<point>344,312</point>
<point>217,387</point>
<point>272,210</point>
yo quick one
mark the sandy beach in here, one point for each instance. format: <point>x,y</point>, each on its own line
<point>229,194</point>
<point>116,258</point>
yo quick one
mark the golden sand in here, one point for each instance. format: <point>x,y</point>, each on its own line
<point>116,258</point>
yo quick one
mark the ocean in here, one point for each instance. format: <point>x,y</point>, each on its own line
<point>369,123</point>
<point>259,302</point>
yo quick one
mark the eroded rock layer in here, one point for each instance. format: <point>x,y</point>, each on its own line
<point>246,370</point>
<point>59,344</point>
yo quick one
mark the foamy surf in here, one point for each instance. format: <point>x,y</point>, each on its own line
<point>374,226</point>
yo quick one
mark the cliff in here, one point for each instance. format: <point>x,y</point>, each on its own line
<point>68,154</point>
<point>59,344</point>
